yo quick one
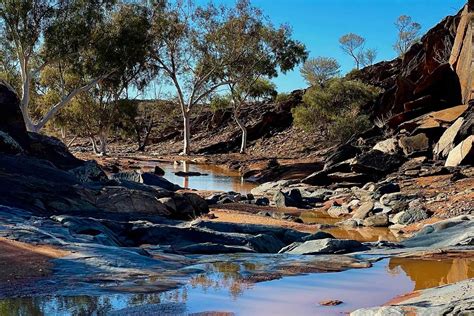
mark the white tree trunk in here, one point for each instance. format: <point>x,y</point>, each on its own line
<point>187,133</point>
<point>103,143</point>
<point>94,145</point>
<point>243,145</point>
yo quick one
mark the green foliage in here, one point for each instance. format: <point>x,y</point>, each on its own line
<point>282,97</point>
<point>331,108</point>
<point>345,126</point>
<point>220,103</point>
<point>317,71</point>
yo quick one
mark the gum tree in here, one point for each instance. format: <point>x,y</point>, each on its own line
<point>408,34</point>
<point>263,51</point>
<point>64,34</point>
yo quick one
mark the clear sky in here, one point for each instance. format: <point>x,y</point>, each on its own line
<point>320,23</point>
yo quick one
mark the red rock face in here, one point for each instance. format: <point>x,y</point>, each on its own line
<point>421,80</point>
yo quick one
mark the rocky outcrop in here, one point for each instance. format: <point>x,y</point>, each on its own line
<point>39,174</point>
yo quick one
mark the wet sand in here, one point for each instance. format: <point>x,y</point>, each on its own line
<point>21,262</point>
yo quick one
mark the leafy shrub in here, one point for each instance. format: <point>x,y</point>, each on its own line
<point>335,108</point>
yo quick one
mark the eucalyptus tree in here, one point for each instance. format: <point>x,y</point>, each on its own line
<point>100,109</point>
<point>353,45</point>
<point>319,70</point>
<point>408,34</point>
<point>69,35</point>
<point>261,52</point>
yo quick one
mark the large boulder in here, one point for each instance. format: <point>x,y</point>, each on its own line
<point>414,144</point>
<point>147,178</point>
<point>89,172</point>
<point>387,146</point>
<point>377,163</point>
<point>326,246</point>
<point>446,142</point>
<point>462,154</point>
<point>11,119</point>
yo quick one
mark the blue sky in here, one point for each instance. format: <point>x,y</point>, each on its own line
<point>320,23</point>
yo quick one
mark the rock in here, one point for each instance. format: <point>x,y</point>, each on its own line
<point>391,199</point>
<point>415,213</point>
<point>467,127</point>
<point>376,163</point>
<point>388,146</point>
<point>331,303</point>
<point>53,150</point>
<point>11,119</point>
<point>263,201</point>
<point>342,153</point>
<point>89,172</point>
<point>265,243</point>
<point>8,145</point>
<point>159,171</point>
<point>169,203</point>
<point>269,189</point>
<point>457,231</point>
<point>189,174</point>
<point>291,199</point>
<point>446,142</point>
<point>387,187</point>
<point>287,236</point>
<point>414,144</point>
<point>451,299</point>
<point>462,154</point>
<point>363,211</point>
<point>338,211</point>
<point>209,248</point>
<point>327,246</point>
<point>396,218</point>
<point>317,235</point>
<point>146,178</point>
<point>377,220</point>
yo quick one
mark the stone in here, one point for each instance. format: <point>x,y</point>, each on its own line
<point>338,211</point>
<point>415,213</point>
<point>342,153</point>
<point>462,154</point>
<point>263,201</point>
<point>317,235</point>
<point>11,119</point>
<point>387,146</point>
<point>331,303</point>
<point>410,145</point>
<point>376,163</point>
<point>159,171</point>
<point>269,189</point>
<point>446,142</point>
<point>147,178</point>
<point>327,246</point>
<point>363,211</point>
<point>387,187</point>
<point>209,248</point>
<point>396,218</point>
<point>189,174</point>
<point>377,220</point>
<point>89,172</point>
<point>8,145</point>
<point>169,203</point>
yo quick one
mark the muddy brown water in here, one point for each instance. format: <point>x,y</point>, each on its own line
<point>223,288</point>
<point>214,178</point>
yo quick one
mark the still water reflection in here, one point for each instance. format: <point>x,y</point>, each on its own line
<point>213,179</point>
<point>225,287</point>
